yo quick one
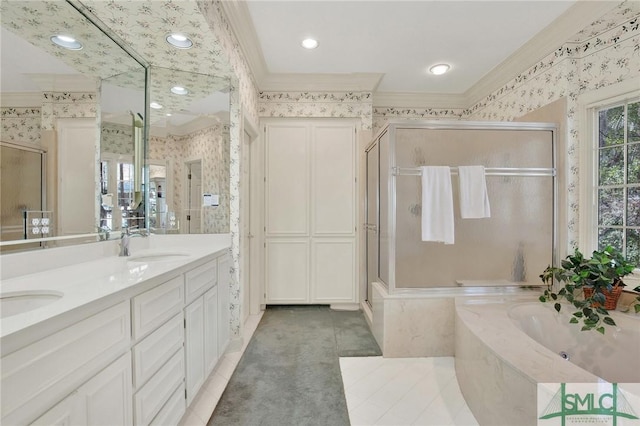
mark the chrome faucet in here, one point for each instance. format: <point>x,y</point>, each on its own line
<point>125,237</point>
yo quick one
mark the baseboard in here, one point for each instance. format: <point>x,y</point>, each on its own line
<point>345,307</point>
<point>234,345</point>
<point>368,313</point>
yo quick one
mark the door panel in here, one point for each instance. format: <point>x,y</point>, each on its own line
<point>333,180</point>
<point>287,202</point>
<point>288,271</point>
<point>333,267</point>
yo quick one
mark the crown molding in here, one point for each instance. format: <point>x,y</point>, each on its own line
<point>574,19</point>
<point>352,82</point>
<point>192,126</point>
<point>430,100</point>
<point>21,99</point>
<point>239,18</point>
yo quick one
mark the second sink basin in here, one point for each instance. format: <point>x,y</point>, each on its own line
<point>18,302</point>
<point>157,257</point>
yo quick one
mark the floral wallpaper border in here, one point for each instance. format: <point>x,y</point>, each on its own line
<point>318,104</point>
<point>20,124</point>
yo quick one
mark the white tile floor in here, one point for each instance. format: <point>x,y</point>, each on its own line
<point>404,391</point>
<point>379,391</point>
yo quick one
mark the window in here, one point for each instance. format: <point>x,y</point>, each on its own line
<point>618,179</point>
<point>116,183</point>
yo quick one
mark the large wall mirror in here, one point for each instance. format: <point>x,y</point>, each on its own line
<point>188,152</point>
<point>65,87</point>
<point>80,155</point>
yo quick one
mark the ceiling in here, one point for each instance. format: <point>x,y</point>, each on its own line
<point>388,46</point>
<point>383,47</point>
<point>399,39</point>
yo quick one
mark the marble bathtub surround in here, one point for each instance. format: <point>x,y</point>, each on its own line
<point>498,366</point>
<point>413,326</point>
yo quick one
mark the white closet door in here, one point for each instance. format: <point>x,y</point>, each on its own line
<point>310,212</point>
<point>77,158</point>
<point>287,271</point>
<point>287,201</point>
<point>334,270</point>
<point>333,188</point>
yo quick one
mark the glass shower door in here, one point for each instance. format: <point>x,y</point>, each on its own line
<point>21,189</point>
<point>372,219</point>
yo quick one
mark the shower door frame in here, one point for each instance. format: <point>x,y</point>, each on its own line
<point>371,227</point>
<point>391,127</point>
<point>43,168</point>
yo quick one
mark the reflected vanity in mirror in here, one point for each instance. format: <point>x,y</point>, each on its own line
<point>59,75</point>
<point>188,152</point>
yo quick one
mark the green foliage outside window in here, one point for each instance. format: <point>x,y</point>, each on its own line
<point>619,179</point>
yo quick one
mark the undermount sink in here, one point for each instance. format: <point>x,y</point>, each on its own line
<point>18,302</point>
<point>157,257</point>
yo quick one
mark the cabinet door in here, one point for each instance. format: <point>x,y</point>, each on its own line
<point>287,184</point>
<point>76,191</point>
<point>333,181</point>
<point>68,412</point>
<point>224,280</point>
<point>210,329</point>
<point>108,396</point>
<point>287,274</point>
<point>103,400</point>
<point>333,270</point>
<point>194,347</point>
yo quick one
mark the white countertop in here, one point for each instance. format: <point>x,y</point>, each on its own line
<point>103,281</point>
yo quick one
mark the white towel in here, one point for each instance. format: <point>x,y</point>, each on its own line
<point>437,204</point>
<point>474,201</point>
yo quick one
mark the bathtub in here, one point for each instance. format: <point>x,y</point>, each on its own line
<point>505,346</point>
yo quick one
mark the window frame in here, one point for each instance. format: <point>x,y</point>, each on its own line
<point>588,106</point>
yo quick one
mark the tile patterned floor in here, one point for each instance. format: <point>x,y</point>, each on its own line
<point>379,391</point>
<point>404,391</point>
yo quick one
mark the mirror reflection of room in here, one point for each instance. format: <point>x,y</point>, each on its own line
<point>53,89</point>
<point>189,135</point>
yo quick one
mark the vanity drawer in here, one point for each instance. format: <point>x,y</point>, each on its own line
<point>156,349</point>
<point>152,308</point>
<point>173,410</point>
<point>152,397</point>
<point>43,373</point>
<point>201,279</point>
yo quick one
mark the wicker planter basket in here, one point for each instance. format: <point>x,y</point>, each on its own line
<point>611,298</point>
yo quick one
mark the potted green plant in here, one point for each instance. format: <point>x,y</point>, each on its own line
<point>598,280</point>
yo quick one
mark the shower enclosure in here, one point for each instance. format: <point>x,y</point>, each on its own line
<point>508,249</point>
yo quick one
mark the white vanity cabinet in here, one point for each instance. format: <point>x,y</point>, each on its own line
<point>158,355</point>
<point>138,358</point>
<point>103,400</point>
<point>201,325</point>
<point>73,361</point>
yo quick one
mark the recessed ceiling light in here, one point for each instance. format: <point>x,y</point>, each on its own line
<point>168,114</point>
<point>179,90</point>
<point>439,69</point>
<point>180,41</point>
<point>155,105</point>
<point>309,43</point>
<point>67,42</point>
